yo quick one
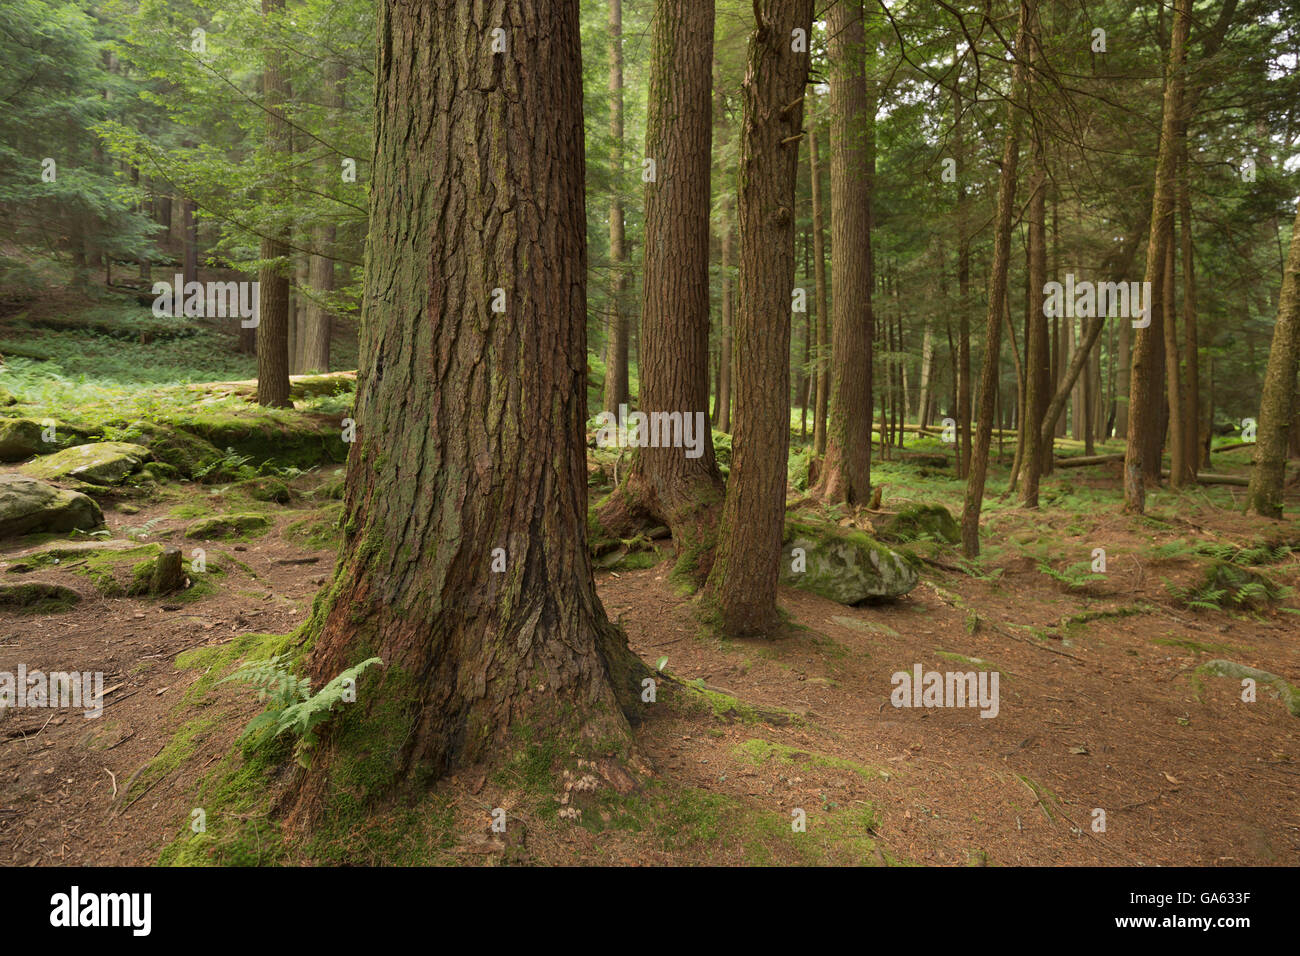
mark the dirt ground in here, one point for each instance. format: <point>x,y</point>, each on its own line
<point>1105,712</point>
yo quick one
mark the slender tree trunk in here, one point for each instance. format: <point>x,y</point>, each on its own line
<point>273,309</point>
<point>616,391</point>
<point>1144,392</point>
<point>317,328</point>
<point>726,359</point>
<point>1278,401</point>
<point>666,486</point>
<point>846,472</point>
<point>963,371</point>
<point>1192,410</point>
<point>743,581</point>
<point>823,299</point>
<point>471,424</point>
<point>1177,463</point>
<point>970,516</point>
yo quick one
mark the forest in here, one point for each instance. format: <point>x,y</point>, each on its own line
<point>609,433</point>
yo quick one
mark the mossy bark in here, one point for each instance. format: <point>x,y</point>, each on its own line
<point>470,420</point>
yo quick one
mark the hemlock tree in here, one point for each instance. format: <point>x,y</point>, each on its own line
<point>470,403</point>
<point>665,485</point>
<point>743,581</point>
<point>846,471</point>
<point>1278,403</point>
<point>273,279</point>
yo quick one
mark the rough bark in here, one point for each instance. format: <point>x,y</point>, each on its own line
<point>273,307</point>
<point>846,470</point>
<point>665,486</point>
<point>616,391</point>
<point>823,298</point>
<point>743,582</point>
<point>471,433</point>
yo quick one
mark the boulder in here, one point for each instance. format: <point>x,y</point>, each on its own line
<point>28,505</point>
<point>842,564</point>
<point>227,526</point>
<point>38,597</point>
<point>20,439</point>
<point>99,463</point>
<point>917,522</point>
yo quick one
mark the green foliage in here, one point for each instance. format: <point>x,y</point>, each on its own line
<point>292,708</point>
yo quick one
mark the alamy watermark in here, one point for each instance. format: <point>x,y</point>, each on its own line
<point>1107,300</point>
<point>208,300</point>
<point>653,430</point>
<point>78,690</point>
<point>951,689</point>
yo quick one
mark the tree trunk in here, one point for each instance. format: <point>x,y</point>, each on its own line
<point>1039,352</point>
<point>743,582</point>
<point>846,471</point>
<point>726,360</point>
<point>974,499</point>
<point>472,423</point>
<point>1278,399</point>
<point>823,355</point>
<point>273,307</point>
<point>317,327</point>
<point>1144,393</point>
<point>1192,394</point>
<point>616,391</point>
<point>665,486</point>
<point>1177,463</point>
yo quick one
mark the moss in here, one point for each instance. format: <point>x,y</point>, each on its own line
<point>243,526</point>
<point>1222,668</point>
<point>759,751</point>
<point>177,750</point>
<point>38,597</point>
<point>264,488</point>
<point>695,697</point>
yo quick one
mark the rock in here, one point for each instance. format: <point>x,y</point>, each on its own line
<point>20,438</point>
<point>1222,668</point>
<point>184,453</point>
<point>843,565</point>
<point>922,521</point>
<point>265,489</point>
<point>28,505</point>
<point>227,526</point>
<point>38,597</point>
<point>99,463</point>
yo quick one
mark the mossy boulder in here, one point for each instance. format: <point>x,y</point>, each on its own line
<point>265,488</point>
<point>98,463</point>
<point>28,505</point>
<point>922,522</point>
<point>227,526</point>
<point>844,565</point>
<point>20,439</point>
<point>37,597</point>
<point>187,454</point>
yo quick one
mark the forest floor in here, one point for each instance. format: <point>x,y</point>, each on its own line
<point>1102,705</point>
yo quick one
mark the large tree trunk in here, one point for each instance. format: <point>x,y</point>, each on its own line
<point>974,499</point>
<point>743,582</point>
<point>273,277</point>
<point>1278,399</point>
<point>472,421</point>
<point>1144,406</point>
<point>616,328</point>
<point>665,486</point>
<point>823,298</point>
<point>846,471</point>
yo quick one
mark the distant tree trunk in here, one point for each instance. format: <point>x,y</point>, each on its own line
<point>1040,377</point>
<point>1278,401</point>
<point>974,499</point>
<point>1192,409</point>
<point>190,233</point>
<point>273,311</point>
<point>1144,412</point>
<point>1177,463</point>
<point>317,325</point>
<point>478,414</point>
<point>664,485</point>
<point>963,367</point>
<point>743,581</point>
<point>616,390</point>
<point>927,375</point>
<point>823,299</point>
<point>726,360</point>
<point>846,471</point>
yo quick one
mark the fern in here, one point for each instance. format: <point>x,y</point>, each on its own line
<point>293,709</point>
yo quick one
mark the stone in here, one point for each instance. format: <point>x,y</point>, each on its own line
<point>844,565</point>
<point>922,521</point>
<point>20,439</point>
<point>28,505</point>
<point>99,463</point>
